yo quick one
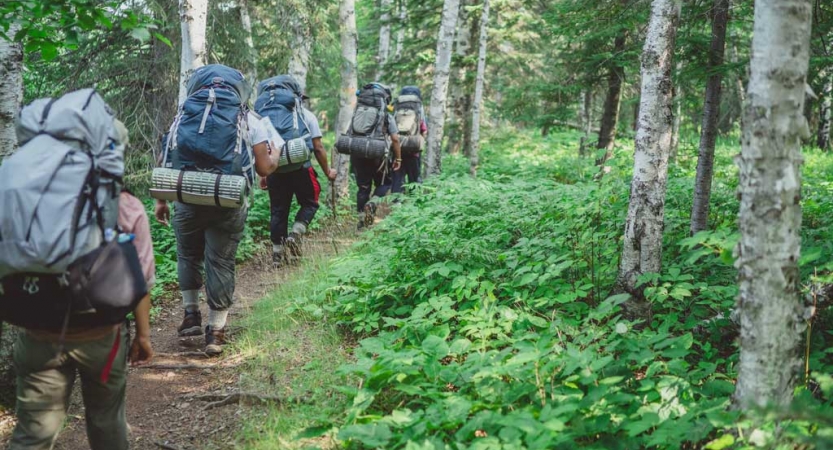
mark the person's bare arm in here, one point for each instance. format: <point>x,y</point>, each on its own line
<point>321,157</point>
<point>266,158</point>
<point>141,351</point>
<point>397,152</point>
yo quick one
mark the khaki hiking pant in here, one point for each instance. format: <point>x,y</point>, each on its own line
<point>44,383</point>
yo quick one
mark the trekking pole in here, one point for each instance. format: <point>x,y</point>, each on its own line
<point>333,201</point>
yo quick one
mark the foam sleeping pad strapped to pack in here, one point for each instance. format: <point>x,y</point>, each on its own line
<point>295,151</point>
<point>362,146</point>
<point>198,188</point>
<point>411,145</point>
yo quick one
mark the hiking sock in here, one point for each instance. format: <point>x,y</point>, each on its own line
<point>217,319</point>
<point>277,248</point>
<point>191,300</point>
<point>299,228</point>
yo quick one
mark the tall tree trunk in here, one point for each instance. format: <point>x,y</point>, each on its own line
<point>711,115</point>
<point>770,213</point>
<point>474,156</point>
<point>825,115</point>
<point>251,53</point>
<point>193,15</point>
<point>642,248</point>
<point>384,39</point>
<point>610,115</point>
<point>400,34</point>
<point>436,112</point>
<point>586,113</point>
<point>459,85</point>
<point>11,91</point>
<point>301,42</point>
<point>740,90</point>
<point>349,85</point>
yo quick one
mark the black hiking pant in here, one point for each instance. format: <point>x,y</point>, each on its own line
<point>301,183</point>
<point>411,166</point>
<point>372,175</point>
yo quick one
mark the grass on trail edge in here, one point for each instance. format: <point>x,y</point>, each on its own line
<point>484,319</point>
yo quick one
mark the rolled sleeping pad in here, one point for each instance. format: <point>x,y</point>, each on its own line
<point>411,145</point>
<point>198,188</point>
<point>295,151</point>
<point>363,146</point>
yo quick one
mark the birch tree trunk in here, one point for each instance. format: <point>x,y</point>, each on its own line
<point>474,156</point>
<point>193,15</point>
<point>767,254</point>
<point>825,115</point>
<point>400,33</point>
<point>613,99</point>
<point>458,117</point>
<point>11,91</point>
<point>384,39</point>
<point>251,53</point>
<point>301,43</point>
<point>711,116</point>
<point>436,112</point>
<point>349,85</point>
<point>642,247</point>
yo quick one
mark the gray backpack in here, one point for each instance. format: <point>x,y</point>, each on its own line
<point>59,192</point>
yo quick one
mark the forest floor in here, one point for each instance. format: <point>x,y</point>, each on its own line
<point>183,399</point>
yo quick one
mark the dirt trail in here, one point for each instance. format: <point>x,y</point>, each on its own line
<point>166,404</point>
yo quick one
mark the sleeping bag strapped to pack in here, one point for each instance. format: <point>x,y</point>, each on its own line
<point>367,135</point>
<point>279,99</point>
<point>408,115</point>
<point>210,135</point>
<point>58,206</point>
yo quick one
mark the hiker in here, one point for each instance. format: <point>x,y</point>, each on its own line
<point>371,135</point>
<point>205,144</point>
<point>73,324</point>
<point>410,120</point>
<point>280,99</point>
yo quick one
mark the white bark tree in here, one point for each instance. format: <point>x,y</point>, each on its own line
<point>193,15</point>
<point>301,45</point>
<point>384,39</point>
<point>436,112</point>
<point>767,254</point>
<point>642,248</point>
<point>400,33</point>
<point>246,22</point>
<point>349,85</point>
<point>458,111</point>
<point>474,154</point>
<point>11,91</point>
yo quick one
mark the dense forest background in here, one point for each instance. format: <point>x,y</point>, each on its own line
<point>624,239</point>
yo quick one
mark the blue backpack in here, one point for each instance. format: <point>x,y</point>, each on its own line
<point>210,132</point>
<point>279,100</point>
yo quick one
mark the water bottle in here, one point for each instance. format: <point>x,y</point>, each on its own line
<point>109,235</point>
<point>126,237</point>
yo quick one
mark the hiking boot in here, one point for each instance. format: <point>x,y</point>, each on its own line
<point>293,244</point>
<point>369,214</point>
<point>214,340</point>
<point>191,324</point>
<point>278,259</point>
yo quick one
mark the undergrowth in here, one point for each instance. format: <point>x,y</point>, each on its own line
<point>485,318</point>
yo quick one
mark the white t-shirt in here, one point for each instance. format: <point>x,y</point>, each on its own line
<point>261,130</point>
<point>312,124</point>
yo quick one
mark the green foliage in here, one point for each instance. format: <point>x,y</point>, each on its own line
<point>486,320</point>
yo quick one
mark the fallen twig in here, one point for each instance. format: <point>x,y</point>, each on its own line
<point>182,355</point>
<point>178,366</point>
<point>166,446</point>
<point>220,400</point>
